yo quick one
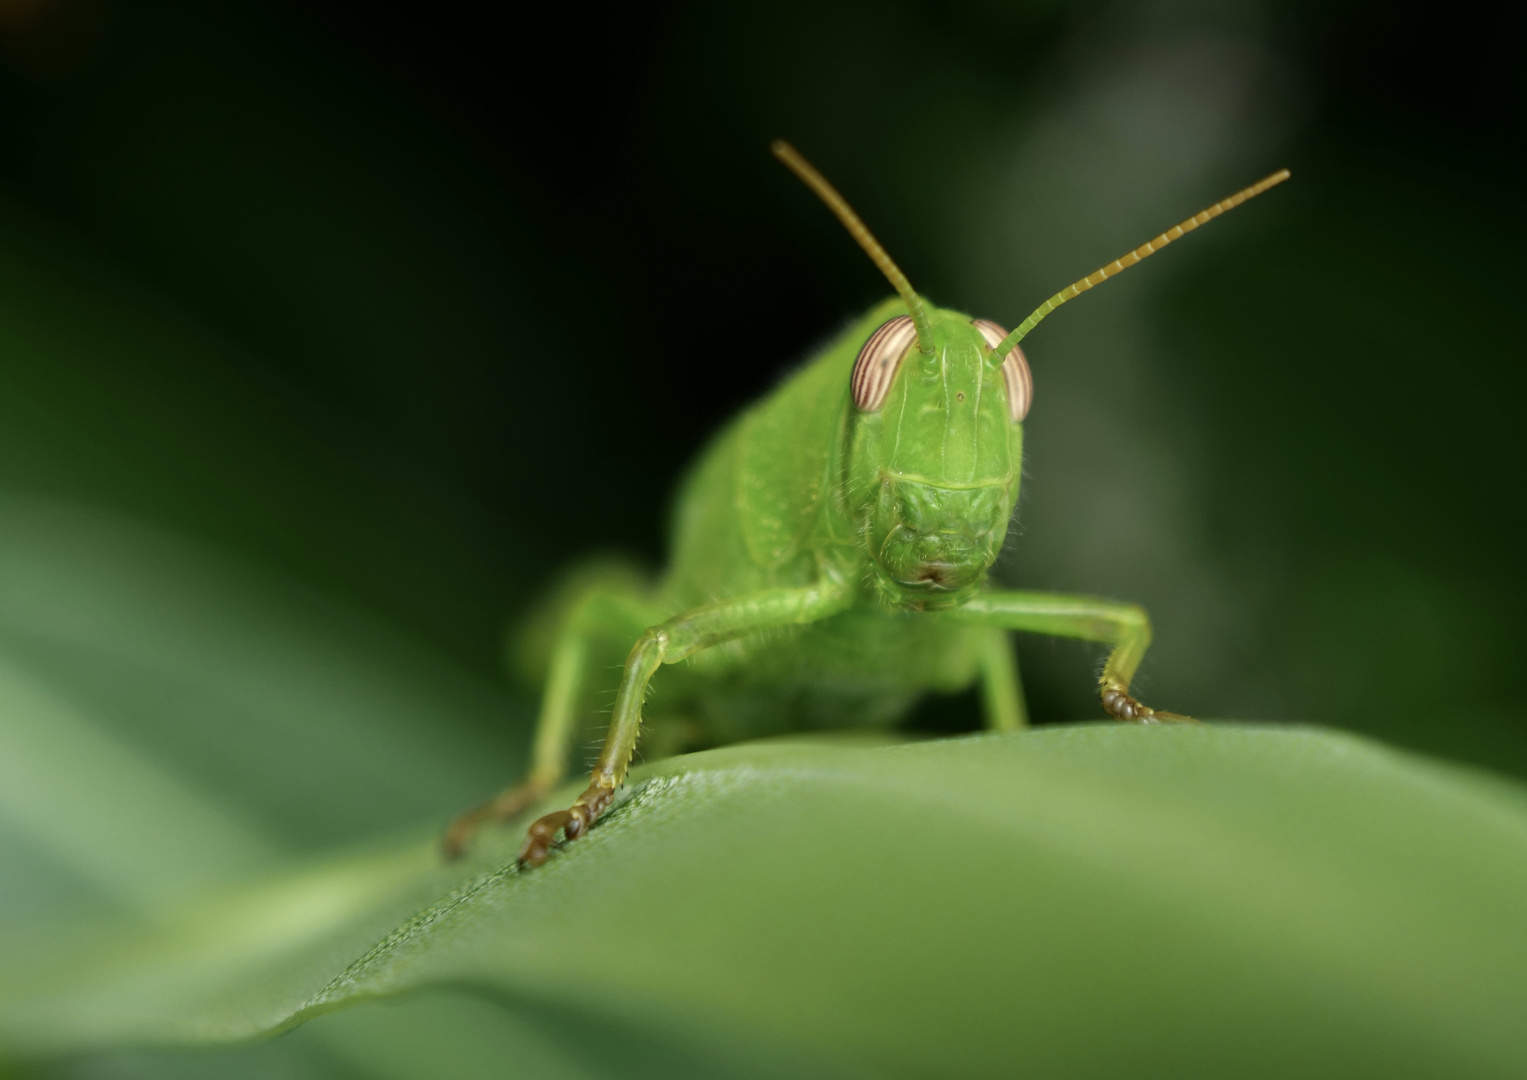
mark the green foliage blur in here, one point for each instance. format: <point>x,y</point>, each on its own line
<point>363,321</point>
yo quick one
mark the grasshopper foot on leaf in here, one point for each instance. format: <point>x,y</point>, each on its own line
<point>572,822</point>
<point>1119,705</point>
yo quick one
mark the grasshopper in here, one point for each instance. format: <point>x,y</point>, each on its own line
<point>830,552</point>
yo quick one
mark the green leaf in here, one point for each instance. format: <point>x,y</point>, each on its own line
<point>1102,899</point>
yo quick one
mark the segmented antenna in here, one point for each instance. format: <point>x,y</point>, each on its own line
<point>860,232</point>
<point>1124,262</point>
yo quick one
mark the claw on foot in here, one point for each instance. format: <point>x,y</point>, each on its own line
<point>502,807</point>
<point>1118,704</point>
<point>572,823</point>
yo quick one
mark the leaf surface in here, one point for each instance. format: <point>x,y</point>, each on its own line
<point>1095,899</point>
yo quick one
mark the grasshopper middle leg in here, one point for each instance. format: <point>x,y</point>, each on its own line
<point>1001,689</point>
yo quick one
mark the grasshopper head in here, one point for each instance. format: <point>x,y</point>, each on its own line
<point>940,400</point>
<point>937,447</point>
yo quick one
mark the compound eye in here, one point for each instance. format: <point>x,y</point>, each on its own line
<point>1015,370</point>
<point>878,360</point>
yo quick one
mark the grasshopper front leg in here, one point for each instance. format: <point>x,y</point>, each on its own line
<point>569,666</point>
<point>1124,626</point>
<point>610,606</point>
<point>668,643</point>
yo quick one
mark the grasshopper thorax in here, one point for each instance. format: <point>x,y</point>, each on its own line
<point>935,460</point>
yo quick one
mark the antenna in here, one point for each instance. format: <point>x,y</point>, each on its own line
<point>857,229</point>
<point>1124,262</point>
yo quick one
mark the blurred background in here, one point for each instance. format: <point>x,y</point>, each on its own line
<point>330,332</point>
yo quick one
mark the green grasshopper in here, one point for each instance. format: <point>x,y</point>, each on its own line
<point>830,556</point>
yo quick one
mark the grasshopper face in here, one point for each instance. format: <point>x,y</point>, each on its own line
<point>936,465</point>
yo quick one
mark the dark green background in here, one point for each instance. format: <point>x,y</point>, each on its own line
<point>420,307</point>
<point>425,305</point>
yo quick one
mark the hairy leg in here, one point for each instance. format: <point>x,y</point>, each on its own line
<point>667,643</point>
<point>602,611</point>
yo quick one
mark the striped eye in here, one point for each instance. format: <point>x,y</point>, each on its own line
<point>878,360</point>
<point>1015,370</point>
